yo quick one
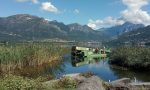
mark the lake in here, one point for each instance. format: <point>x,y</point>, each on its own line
<point>102,69</point>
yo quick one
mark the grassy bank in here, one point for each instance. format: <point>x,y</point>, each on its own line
<point>11,82</point>
<point>131,57</point>
<point>18,56</point>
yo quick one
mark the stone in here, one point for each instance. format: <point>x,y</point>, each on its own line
<point>120,84</point>
<point>92,83</point>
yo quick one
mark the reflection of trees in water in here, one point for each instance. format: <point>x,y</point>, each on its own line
<point>141,76</point>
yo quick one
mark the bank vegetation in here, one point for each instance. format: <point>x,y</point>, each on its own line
<point>131,57</point>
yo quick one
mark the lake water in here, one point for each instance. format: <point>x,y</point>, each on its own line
<point>102,69</point>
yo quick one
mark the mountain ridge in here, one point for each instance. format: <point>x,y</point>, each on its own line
<point>135,37</point>
<point>25,27</point>
<point>120,29</point>
<point>28,27</point>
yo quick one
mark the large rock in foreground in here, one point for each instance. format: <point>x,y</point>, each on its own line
<point>88,83</point>
<point>92,83</point>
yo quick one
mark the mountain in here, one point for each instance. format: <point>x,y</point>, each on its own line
<point>27,27</point>
<point>81,32</point>
<point>135,37</point>
<point>24,27</point>
<point>139,35</point>
<point>120,29</point>
<point>78,27</point>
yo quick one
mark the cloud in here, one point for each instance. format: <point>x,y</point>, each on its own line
<point>47,6</point>
<point>33,1</point>
<point>22,0</point>
<point>134,13</point>
<point>76,11</point>
<point>115,2</point>
<point>47,19</point>
<point>109,21</point>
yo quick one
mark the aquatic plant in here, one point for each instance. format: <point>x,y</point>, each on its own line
<point>18,56</point>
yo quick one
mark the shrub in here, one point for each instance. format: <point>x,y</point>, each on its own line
<point>65,82</point>
<point>11,82</point>
<point>133,57</point>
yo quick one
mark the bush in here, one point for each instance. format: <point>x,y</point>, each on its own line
<point>133,57</point>
<point>65,82</point>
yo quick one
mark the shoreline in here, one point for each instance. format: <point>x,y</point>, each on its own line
<point>93,82</point>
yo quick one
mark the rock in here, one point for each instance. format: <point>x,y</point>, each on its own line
<point>95,83</point>
<point>92,83</point>
<point>141,86</point>
<point>76,76</point>
<point>122,84</point>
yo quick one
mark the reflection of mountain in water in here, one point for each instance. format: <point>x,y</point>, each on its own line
<point>76,61</point>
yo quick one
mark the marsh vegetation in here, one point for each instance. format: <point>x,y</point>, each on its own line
<point>19,56</point>
<point>131,57</point>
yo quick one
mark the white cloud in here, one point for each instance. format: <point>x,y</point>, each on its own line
<point>109,21</point>
<point>33,1</point>
<point>76,11</point>
<point>134,13</point>
<point>47,6</point>
<point>135,4</point>
<point>47,19</point>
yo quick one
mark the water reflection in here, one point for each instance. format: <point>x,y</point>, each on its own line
<point>98,66</point>
<point>76,61</point>
<point>101,68</point>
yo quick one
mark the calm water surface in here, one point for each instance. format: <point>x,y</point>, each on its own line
<point>102,69</point>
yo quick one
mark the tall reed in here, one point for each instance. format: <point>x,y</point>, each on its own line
<point>21,55</point>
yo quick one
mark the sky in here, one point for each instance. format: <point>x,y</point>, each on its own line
<point>94,13</point>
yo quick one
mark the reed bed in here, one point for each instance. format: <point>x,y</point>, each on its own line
<point>18,56</point>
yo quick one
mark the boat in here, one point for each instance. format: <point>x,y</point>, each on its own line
<point>82,52</point>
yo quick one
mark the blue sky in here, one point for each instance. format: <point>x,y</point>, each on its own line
<point>95,13</point>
